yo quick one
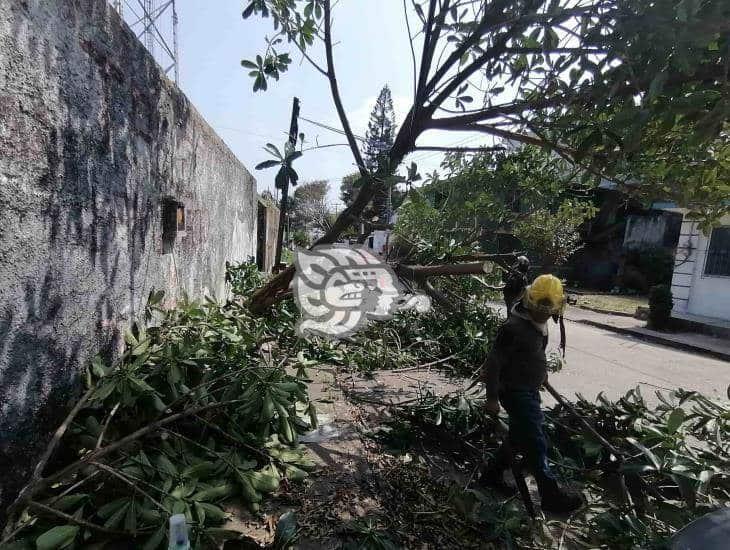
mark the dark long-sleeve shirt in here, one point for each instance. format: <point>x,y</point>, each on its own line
<point>517,359</point>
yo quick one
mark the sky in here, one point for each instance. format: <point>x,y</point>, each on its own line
<point>371,50</point>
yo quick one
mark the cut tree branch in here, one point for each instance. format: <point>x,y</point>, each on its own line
<point>34,488</point>
<point>80,522</point>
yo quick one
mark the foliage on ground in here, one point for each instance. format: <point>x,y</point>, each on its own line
<point>199,411</point>
<point>677,460</point>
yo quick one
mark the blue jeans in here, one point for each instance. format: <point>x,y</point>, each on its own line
<point>525,429</point>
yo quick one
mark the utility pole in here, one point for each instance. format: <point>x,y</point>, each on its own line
<point>293,134</point>
<point>155,22</point>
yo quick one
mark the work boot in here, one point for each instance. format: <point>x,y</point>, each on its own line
<point>555,498</point>
<point>493,474</point>
<point>493,478</point>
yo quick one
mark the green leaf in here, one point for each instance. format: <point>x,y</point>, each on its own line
<point>286,530</point>
<point>650,455</point>
<point>156,539</point>
<point>116,518</point>
<point>675,420</point>
<point>129,337</point>
<point>68,502</point>
<point>109,508</point>
<point>212,511</point>
<point>164,464</point>
<point>58,537</point>
<point>97,367</point>
<point>248,11</point>
<point>274,150</point>
<point>267,164</point>
<point>130,519</point>
<point>687,489</point>
<point>657,84</point>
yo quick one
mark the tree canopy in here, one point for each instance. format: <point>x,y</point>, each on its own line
<point>309,205</point>
<point>528,197</point>
<point>631,90</point>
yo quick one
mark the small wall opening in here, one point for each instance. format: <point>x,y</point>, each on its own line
<point>173,223</point>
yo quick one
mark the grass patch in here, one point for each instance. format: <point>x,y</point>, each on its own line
<point>612,302</point>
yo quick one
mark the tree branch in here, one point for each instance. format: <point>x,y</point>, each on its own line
<point>334,89</point>
<point>522,138</point>
<point>416,272</point>
<point>32,489</point>
<point>58,435</point>
<point>81,522</point>
<point>458,149</point>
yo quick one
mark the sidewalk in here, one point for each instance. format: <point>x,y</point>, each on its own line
<point>688,341</point>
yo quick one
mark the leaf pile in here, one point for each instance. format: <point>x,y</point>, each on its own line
<point>199,411</point>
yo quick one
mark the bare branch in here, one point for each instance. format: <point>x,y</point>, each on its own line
<point>81,522</point>
<point>522,138</point>
<point>447,149</point>
<point>334,88</point>
<point>58,435</point>
<point>39,485</point>
<point>312,62</point>
<point>413,51</point>
<point>122,477</point>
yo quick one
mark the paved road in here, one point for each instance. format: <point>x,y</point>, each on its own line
<point>599,360</point>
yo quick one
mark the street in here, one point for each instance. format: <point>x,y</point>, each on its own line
<point>599,360</point>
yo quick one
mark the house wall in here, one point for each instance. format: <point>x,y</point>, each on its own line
<point>93,140</point>
<point>694,292</point>
<point>380,240</point>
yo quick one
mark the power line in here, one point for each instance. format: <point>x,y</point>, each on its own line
<point>331,128</point>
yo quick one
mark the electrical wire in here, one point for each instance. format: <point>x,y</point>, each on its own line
<point>330,128</point>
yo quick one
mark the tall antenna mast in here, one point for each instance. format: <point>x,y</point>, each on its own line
<point>155,23</point>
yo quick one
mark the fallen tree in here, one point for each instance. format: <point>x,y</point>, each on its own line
<point>631,91</point>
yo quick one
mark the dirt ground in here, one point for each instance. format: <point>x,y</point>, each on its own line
<point>365,494</point>
<point>351,496</point>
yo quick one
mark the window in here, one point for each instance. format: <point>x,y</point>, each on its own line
<point>718,253</point>
<point>173,222</point>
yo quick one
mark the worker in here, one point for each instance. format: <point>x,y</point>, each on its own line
<point>513,373</point>
<point>515,282</point>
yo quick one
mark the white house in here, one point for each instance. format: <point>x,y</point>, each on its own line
<point>701,281</point>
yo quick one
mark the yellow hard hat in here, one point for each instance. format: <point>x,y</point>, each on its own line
<point>545,294</point>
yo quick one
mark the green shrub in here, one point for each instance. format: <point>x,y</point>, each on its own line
<point>300,238</point>
<point>660,306</point>
<point>655,264</point>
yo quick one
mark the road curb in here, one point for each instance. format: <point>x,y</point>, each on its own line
<point>656,339</point>
<point>604,311</point>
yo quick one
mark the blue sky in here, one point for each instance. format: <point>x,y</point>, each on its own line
<point>371,50</point>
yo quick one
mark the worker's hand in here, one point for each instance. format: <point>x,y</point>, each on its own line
<point>492,406</point>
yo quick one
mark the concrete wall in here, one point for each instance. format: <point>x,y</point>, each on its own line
<point>267,231</point>
<point>695,293</point>
<point>93,139</point>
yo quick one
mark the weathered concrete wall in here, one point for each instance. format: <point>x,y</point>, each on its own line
<point>267,231</point>
<point>93,139</point>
